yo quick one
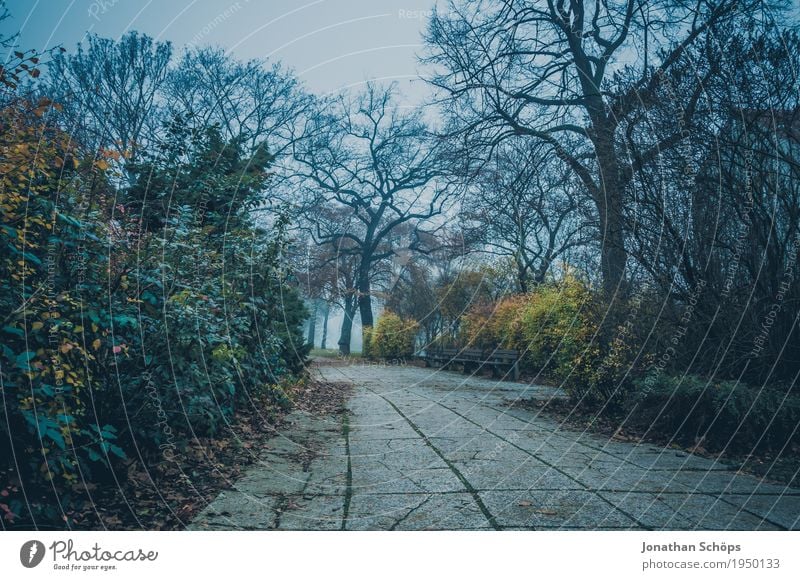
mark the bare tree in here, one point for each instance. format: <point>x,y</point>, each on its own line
<point>413,296</point>
<point>323,283</point>
<point>110,90</point>
<point>549,69</point>
<point>252,101</point>
<point>330,269</point>
<point>123,95</point>
<point>379,166</point>
<point>715,222</point>
<point>526,206</point>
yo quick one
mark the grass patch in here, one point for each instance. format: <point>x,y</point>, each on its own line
<point>332,353</point>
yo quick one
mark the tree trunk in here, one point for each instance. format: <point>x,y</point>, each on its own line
<point>325,326</point>
<point>608,199</point>
<point>522,276</point>
<point>312,324</point>
<point>613,255</point>
<point>541,272</point>
<point>347,326</point>
<point>364,300</point>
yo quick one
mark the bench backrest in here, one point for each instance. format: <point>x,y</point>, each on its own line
<point>471,353</point>
<point>503,354</point>
<point>474,354</point>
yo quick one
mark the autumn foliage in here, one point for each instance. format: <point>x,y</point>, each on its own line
<point>121,341</point>
<point>392,337</point>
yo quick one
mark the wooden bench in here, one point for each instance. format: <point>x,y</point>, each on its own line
<point>472,360</point>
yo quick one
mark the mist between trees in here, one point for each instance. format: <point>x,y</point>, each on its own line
<point>609,187</point>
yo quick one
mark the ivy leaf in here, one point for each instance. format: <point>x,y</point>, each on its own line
<point>31,258</point>
<point>57,438</point>
<point>149,297</point>
<point>113,449</point>
<point>9,231</point>
<point>23,360</point>
<point>13,330</point>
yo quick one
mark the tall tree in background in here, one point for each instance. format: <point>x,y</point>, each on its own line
<point>321,284</point>
<point>551,70</point>
<point>721,212</point>
<point>377,168</point>
<point>254,102</point>
<point>526,206</point>
<point>110,90</point>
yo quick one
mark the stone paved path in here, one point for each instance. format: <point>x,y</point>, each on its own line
<point>424,449</point>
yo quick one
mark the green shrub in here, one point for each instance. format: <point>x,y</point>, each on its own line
<point>393,337</point>
<point>111,351</point>
<point>366,341</point>
<point>555,329</point>
<point>716,415</point>
<point>490,326</point>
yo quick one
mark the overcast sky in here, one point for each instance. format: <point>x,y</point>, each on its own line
<point>330,44</point>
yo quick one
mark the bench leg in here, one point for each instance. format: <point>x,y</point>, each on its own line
<point>515,371</point>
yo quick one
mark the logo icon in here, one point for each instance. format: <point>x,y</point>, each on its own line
<point>32,553</point>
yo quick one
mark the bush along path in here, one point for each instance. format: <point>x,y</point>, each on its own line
<point>144,313</point>
<point>165,491</point>
<point>419,449</point>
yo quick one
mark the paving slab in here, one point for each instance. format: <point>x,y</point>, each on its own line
<point>555,509</point>
<point>427,449</point>
<point>442,511</point>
